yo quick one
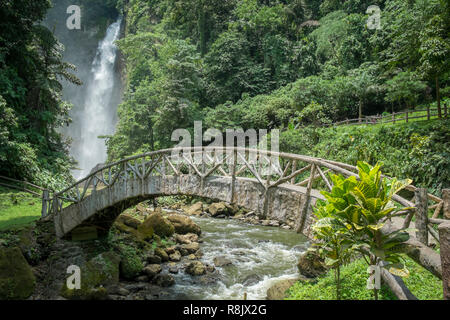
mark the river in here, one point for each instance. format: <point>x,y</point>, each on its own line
<point>261,255</point>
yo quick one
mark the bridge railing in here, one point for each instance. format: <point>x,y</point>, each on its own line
<point>269,169</point>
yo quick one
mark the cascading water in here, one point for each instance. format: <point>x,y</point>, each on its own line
<point>98,117</point>
<point>260,257</point>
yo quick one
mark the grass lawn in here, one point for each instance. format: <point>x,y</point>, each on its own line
<point>18,208</point>
<point>421,282</point>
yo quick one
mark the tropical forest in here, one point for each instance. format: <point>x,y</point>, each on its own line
<point>224,150</point>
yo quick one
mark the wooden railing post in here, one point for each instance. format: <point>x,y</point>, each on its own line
<point>421,197</point>
<point>233,177</point>
<point>45,199</point>
<point>307,202</point>
<point>428,112</point>
<point>406,116</point>
<point>446,200</point>
<point>393,117</point>
<point>444,236</point>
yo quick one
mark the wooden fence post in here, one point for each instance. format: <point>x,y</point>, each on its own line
<point>393,117</point>
<point>45,199</point>
<point>304,210</point>
<point>444,236</point>
<point>421,197</point>
<point>428,113</point>
<point>446,200</point>
<point>406,118</point>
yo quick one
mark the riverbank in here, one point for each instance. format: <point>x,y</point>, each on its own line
<point>211,253</point>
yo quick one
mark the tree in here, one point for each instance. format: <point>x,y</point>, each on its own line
<point>31,71</point>
<point>404,87</point>
<point>364,84</point>
<point>435,52</point>
<point>332,241</point>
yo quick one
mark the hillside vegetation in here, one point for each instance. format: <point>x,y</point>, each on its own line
<point>263,64</point>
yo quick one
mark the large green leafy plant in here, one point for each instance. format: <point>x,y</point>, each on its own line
<point>354,213</point>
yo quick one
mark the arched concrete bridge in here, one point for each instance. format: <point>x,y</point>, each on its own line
<point>277,186</point>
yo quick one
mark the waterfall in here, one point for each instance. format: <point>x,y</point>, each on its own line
<point>98,116</point>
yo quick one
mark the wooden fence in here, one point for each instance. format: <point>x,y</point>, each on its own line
<point>30,188</point>
<point>390,118</point>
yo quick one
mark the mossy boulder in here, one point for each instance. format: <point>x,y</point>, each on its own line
<point>97,275</point>
<point>129,220</point>
<point>278,290</point>
<point>17,280</point>
<point>217,208</point>
<point>130,263</point>
<point>28,246</point>
<point>195,209</point>
<point>184,224</point>
<point>196,268</point>
<point>311,265</point>
<point>160,252</point>
<point>156,223</point>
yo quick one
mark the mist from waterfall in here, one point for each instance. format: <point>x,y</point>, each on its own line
<point>98,116</point>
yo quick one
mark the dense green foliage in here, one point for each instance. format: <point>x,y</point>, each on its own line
<point>31,107</point>
<point>351,217</point>
<point>418,150</point>
<point>261,64</point>
<point>354,278</point>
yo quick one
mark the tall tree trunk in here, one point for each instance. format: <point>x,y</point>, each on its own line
<point>202,28</point>
<point>438,98</point>
<point>360,111</point>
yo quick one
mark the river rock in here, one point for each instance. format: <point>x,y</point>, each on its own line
<point>210,268</point>
<point>176,256</point>
<point>154,259</point>
<point>182,250</point>
<point>170,250</point>
<point>311,264</point>
<point>134,287</point>
<point>162,254</point>
<point>143,278</point>
<point>164,280</point>
<point>183,224</point>
<point>195,209</point>
<point>129,220</point>
<point>186,238</point>
<point>191,256</point>
<point>17,280</point>
<point>158,224</point>
<point>222,261</point>
<point>196,268</point>
<point>251,280</point>
<point>192,247</point>
<point>207,279</point>
<point>278,290</point>
<point>173,269</point>
<point>152,270</point>
<point>217,208</point>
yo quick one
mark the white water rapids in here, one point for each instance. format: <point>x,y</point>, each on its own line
<point>260,257</point>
